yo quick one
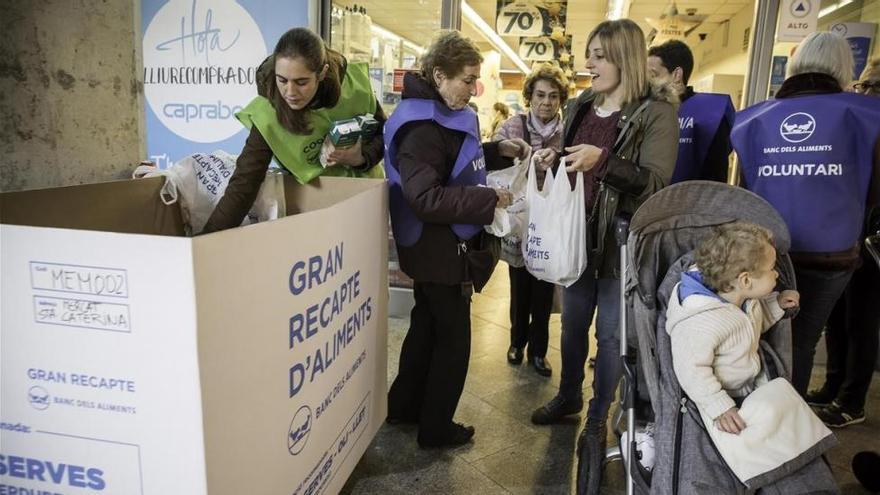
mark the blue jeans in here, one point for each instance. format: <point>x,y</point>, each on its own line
<point>579,303</point>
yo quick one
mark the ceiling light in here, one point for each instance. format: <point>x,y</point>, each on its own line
<point>831,8</point>
<point>493,38</point>
<point>617,9</point>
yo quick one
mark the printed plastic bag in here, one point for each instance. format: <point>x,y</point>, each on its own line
<point>509,223</point>
<point>199,182</point>
<point>554,247</point>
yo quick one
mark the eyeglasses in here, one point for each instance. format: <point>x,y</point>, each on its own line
<point>865,87</point>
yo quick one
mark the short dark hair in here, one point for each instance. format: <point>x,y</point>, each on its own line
<point>450,52</point>
<point>549,73</point>
<point>674,53</point>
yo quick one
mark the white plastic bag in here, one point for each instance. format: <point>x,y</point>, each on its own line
<point>199,182</point>
<point>555,242</point>
<point>509,223</point>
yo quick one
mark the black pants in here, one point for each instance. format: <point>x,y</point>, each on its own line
<point>820,290</point>
<point>851,338</point>
<point>433,360</point>
<point>530,303</point>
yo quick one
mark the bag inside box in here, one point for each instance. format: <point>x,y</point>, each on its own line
<point>134,207</point>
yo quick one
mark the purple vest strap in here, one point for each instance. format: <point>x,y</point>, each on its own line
<point>699,118</point>
<point>469,168</point>
<point>811,157</point>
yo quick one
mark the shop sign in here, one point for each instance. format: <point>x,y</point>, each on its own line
<point>538,49</point>
<point>540,26</point>
<point>397,81</point>
<point>520,18</point>
<point>860,35</point>
<point>797,19</point>
<point>200,60</point>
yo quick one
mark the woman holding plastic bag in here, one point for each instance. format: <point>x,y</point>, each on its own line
<point>303,88</point>
<point>623,136</point>
<point>531,299</point>
<point>436,166</point>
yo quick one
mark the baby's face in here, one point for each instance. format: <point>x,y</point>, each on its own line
<point>763,279</point>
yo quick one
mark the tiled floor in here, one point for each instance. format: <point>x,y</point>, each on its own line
<point>509,454</point>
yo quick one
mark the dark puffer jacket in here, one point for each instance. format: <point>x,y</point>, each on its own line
<point>426,154</point>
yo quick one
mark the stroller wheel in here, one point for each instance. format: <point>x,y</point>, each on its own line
<point>591,455</point>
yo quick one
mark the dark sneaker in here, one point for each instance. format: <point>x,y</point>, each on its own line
<point>556,409</point>
<point>457,435</point>
<point>820,398</point>
<point>835,416</point>
<point>591,446</point>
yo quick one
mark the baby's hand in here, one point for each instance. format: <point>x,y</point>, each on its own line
<point>788,299</point>
<point>730,422</point>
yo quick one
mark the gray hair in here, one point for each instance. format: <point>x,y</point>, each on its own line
<point>826,53</point>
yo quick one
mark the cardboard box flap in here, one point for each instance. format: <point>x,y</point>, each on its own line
<point>323,192</point>
<point>127,206</point>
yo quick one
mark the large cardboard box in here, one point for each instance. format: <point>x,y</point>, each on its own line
<point>138,361</point>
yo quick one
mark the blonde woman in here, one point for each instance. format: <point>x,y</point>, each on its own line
<point>624,137</point>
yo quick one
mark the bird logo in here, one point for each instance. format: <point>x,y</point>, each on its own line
<point>797,127</point>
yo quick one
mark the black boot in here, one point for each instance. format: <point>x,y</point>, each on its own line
<point>541,365</point>
<point>591,456</point>
<point>514,355</point>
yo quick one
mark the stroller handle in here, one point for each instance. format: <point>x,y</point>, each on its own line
<point>872,242</point>
<point>621,229</point>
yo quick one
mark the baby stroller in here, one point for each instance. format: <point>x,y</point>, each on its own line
<point>662,235</point>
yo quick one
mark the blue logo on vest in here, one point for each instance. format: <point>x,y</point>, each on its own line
<point>797,127</point>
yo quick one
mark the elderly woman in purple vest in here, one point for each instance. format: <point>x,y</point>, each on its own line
<point>623,135</point>
<point>436,166</point>
<point>531,299</point>
<point>811,154</point>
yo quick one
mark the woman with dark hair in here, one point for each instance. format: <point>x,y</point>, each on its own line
<point>303,87</point>
<point>436,167</point>
<point>531,299</point>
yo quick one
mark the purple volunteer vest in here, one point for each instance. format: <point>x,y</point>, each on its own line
<point>469,168</point>
<point>811,157</point>
<point>699,118</point>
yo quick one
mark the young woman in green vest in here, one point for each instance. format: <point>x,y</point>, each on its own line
<point>303,87</point>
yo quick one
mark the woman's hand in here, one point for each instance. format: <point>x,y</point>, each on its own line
<point>545,158</point>
<point>505,198</point>
<point>349,157</point>
<point>788,299</point>
<point>582,158</point>
<point>730,421</point>
<point>514,148</point>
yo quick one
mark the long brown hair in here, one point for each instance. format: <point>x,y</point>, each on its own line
<point>310,48</point>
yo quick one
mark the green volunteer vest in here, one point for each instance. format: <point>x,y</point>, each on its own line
<point>299,153</point>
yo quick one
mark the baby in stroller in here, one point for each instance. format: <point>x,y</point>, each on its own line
<point>715,317</point>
